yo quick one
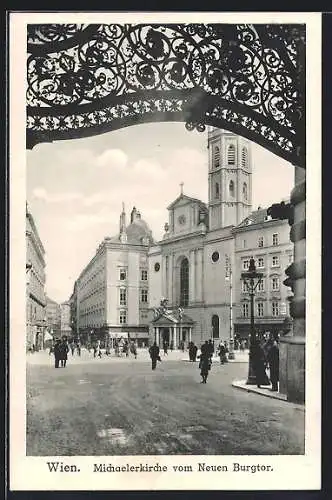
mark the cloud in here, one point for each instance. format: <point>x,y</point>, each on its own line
<point>61,197</point>
<point>111,158</point>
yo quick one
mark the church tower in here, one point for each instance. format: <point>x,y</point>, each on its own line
<point>230,178</point>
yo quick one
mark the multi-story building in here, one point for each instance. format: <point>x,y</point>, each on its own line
<point>111,294</point>
<point>73,312</point>
<point>267,241</point>
<point>191,266</point>
<point>66,330</point>
<point>35,291</point>
<point>53,317</point>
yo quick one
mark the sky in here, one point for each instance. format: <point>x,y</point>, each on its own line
<point>75,188</point>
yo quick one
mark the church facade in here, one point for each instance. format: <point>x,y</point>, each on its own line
<point>191,268</point>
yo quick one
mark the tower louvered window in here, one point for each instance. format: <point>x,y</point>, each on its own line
<point>244,157</point>
<point>216,157</point>
<point>231,188</point>
<point>231,155</point>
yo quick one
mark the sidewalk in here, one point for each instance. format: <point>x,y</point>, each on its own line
<point>265,391</point>
<point>239,357</point>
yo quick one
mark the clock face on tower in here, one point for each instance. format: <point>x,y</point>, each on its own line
<point>181,220</point>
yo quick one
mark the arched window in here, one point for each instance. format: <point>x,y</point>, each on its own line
<point>184,282</point>
<point>244,157</point>
<point>216,193</point>
<point>231,188</point>
<point>245,191</point>
<point>215,326</point>
<point>231,155</point>
<point>216,157</point>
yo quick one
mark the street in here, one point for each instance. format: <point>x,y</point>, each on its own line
<point>119,406</point>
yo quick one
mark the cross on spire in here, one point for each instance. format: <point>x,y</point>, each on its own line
<point>181,187</point>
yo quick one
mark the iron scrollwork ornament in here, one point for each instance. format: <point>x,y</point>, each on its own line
<point>87,79</point>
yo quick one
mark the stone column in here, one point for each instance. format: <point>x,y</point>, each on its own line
<point>192,284</point>
<point>174,337</point>
<point>292,348</point>
<point>170,279</point>
<point>164,278</point>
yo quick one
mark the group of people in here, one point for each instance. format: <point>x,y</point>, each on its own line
<point>60,351</point>
<point>265,354</point>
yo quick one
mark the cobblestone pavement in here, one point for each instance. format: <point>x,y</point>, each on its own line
<point>119,406</point>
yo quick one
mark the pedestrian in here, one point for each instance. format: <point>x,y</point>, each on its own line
<point>72,348</point>
<point>191,351</point>
<point>222,353</point>
<point>57,353</point>
<point>154,355</point>
<point>205,348</point>
<point>171,345</point>
<point>259,365</point>
<point>63,353</point>
<point>205,364</point>
<point>273,360</point>
<point>78,348</point>
<point>133,349</point>
<point>165,347</point>
<point>194,348</point>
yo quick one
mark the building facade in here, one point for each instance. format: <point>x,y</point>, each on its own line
<point>65,322</point>
<point>111,294</point>
<point>53,317</point>
<point>35,286</point>
<point>203,246</point>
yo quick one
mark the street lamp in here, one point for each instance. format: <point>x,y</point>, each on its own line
<point>252,278</point>
<point>229,277</point>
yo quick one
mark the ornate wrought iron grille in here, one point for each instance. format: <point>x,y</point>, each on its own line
<point>88,79</point>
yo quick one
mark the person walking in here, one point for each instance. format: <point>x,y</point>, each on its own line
<point>191,351</point>
<point>72,348</point>
<point>205,363</point>
<point>64,349</point>
<point>222,353</point>
<point>154,355</point>
<point>273,360</point>
<point>57,353</point>
<point>211,348</point>
<point>259,365</point>
<point>165,347</point>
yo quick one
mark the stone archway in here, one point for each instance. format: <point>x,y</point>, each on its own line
<point>88,79</point>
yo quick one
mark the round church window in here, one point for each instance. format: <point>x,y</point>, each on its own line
<point>215,256</point>
<point>157,266</point>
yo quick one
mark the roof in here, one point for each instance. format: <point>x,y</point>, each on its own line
<point>136,231</point>
<point>189,199</point>
<point>173,318</point>
<point>256,217</point>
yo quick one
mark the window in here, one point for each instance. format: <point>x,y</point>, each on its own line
<point>215,326</point>
<point>216,193</point>
<point>123,317</point>
<point>123,297</point>
<point>244,244</point>
<point>144,296</point>
<point>261,242</point>
<point>245,264</point>
<point>260,262</point>
<point>216,157</point>
<point>245,310</point>
<point>260,309</point>
<point>275,261</point>
<point>144,275</point>
<point>231,155</point>
<point>231,188</point>
<point>244,157</point>
<point>275,308</point>
<point>275,283</point>
<point>245,288</point>
<point>245,191</point>
<point>260,286</point>
<point>123,275</point>
<point>184,282</point>
<point>275,239</point>
<point>215,256</point>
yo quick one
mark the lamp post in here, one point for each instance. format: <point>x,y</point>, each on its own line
<point>229,277</point>
<point>252,278</point>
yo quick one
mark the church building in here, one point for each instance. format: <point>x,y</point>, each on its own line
<point>190,269</point>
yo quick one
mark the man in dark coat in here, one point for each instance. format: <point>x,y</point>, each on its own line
<point>154,355</point>
<point>259,363</point>
<point>205,363</point>
<point>273,359</point>
<point>211,348</point>
<point>64,353</point>
<point>57,353</point>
